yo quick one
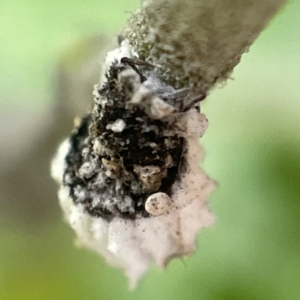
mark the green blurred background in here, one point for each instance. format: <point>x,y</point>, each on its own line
<point>49,60</point>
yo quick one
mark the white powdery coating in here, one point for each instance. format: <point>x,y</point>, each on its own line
<point>195,186</point>
<point>118,126</point>
<point>125,50</point>
<point>134,244</point>
<point>58,165</point>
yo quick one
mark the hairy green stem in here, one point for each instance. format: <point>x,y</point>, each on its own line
<point>197,43</point>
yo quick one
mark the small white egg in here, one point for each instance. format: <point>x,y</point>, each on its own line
<point>118,126</point>
<point>157,204</point>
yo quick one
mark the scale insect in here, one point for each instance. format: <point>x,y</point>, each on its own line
<point>127,171</point>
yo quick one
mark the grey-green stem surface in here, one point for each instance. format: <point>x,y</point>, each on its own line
<point>197,43</point>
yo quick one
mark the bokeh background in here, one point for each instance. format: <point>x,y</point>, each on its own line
<point>49,60</point>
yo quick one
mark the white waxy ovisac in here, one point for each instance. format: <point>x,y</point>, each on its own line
<point>157,204</point>
<point>134,244</point>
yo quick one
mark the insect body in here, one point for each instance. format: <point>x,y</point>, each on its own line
<point>181,99</point>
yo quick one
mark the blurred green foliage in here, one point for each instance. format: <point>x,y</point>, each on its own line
<point>253,151</point>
